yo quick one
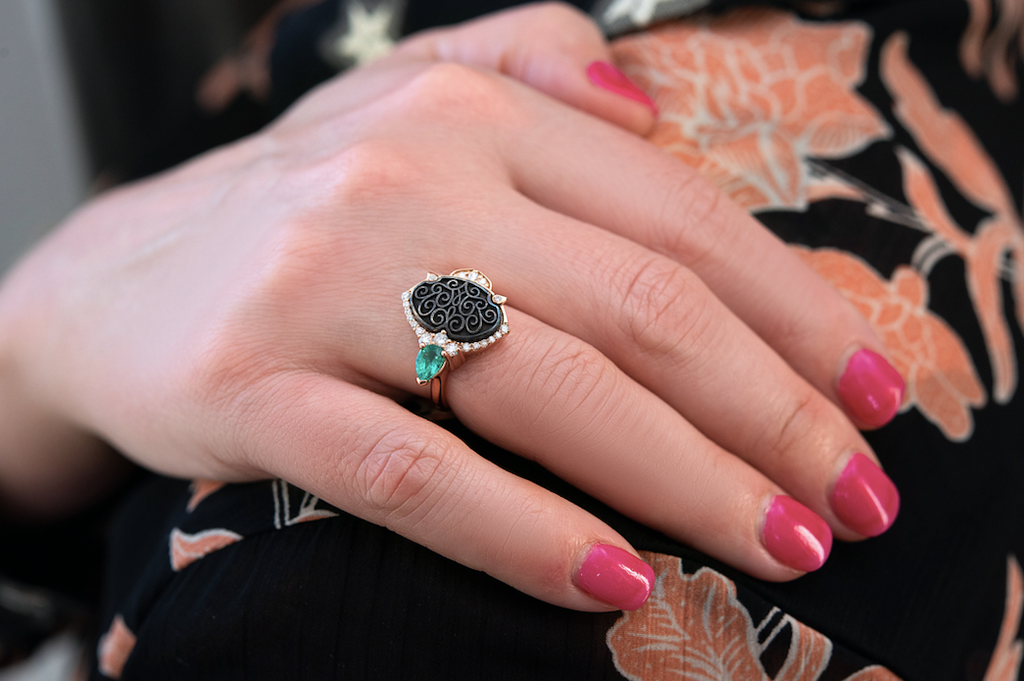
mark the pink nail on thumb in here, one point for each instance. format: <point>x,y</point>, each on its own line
<point>604,75</point>
<point>615,576</point>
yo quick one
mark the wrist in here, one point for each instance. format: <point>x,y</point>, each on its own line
<point>49,465</point>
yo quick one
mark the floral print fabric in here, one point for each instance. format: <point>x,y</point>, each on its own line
<point>695,627</point>
<point>748,97</point>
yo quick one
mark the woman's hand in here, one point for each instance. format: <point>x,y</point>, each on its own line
<point>240,317</point>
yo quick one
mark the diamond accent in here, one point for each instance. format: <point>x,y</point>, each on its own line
<point>500,300</point>
<point>504,328</point>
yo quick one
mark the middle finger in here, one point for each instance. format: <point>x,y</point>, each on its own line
<point>660,324</point>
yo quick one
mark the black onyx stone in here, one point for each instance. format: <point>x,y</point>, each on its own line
<point>461,308</point>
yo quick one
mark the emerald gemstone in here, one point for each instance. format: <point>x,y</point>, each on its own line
<point>429,362</point>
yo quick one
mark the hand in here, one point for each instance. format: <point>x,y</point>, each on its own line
<point>239,317</point>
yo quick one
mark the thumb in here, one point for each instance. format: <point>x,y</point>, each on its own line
<point>551,47</point>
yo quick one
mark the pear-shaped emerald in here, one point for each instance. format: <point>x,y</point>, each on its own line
<point>429,362</point>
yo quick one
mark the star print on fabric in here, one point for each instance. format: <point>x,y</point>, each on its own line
<point>365,33</point>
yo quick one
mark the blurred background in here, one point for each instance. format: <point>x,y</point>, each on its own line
<point>86,86</point>
<point>92,92</point>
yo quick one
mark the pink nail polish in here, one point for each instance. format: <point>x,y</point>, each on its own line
<point>604,75</point>
<point>616,577</point>
<point>795,535</point>
<point>871,389</point>
<point>864,497</point>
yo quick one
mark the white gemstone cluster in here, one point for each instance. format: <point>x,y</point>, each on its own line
<point>449,347</point>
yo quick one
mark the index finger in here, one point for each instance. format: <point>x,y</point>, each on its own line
<point>370,457</point>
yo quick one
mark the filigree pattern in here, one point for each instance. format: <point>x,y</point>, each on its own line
<point>461,308</point>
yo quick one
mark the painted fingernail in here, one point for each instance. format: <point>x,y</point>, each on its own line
<point>864,497</point>
<point>604,75</point>
<point>795,535</point>
<point>871,389</point>
<point>616,577</point>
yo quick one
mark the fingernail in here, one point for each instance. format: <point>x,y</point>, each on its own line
<point>604,75</point>
<point>864,497</point>
<point>795,535</point>
<point>871,389</point>
<point>616,577</point>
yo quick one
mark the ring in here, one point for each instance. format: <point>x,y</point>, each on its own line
<point>452,316</point>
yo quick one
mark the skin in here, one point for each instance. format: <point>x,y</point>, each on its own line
<point>239,317</point>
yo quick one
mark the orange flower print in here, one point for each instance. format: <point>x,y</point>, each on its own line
<point>693,627</point>
<point>200,490</point>
<point>995,251</point>
<point>748,97</point>
<point>1005,662</point>
<point>187,548</point>
<point>941,380</point>
<point>114,648</point>
<point>991,54</point>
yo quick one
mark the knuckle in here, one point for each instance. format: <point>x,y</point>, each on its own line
<point>402,476</point>
<point>690,221</point>
<point>569,385</point>
<point>572,374</point>
<point>448,91</point>
<point>371,170</point>
<point>792,426</point>
<point>663,306</point>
